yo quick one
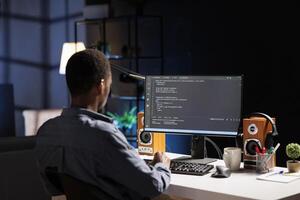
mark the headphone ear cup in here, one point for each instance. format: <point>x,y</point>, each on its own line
<point>269,141</point>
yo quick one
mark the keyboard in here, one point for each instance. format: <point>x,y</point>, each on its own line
<point>188,168</point>
<point>182,167</point>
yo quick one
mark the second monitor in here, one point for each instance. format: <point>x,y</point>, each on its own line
<point>196,105</point>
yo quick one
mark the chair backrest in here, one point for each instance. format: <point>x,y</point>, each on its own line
<point>73,188</point>
<point>17,143</point>
<point>33,119</point>
<point>20,177</point>
<point>76,189</point>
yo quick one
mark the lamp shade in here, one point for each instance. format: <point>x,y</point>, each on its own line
<point>69,48</point>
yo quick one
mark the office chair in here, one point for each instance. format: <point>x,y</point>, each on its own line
<point>20,177</point>
<point>17,143</point>
<point>73,188</point>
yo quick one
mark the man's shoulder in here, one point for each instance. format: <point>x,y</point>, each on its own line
<point>50,122</point>
<point>97,124</point>
<point>49,125</point>
<point>78,124</point>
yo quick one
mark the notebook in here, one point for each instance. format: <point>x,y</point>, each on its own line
<point>279,176</point>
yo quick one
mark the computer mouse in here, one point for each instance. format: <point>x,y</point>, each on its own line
<point>221,172</point>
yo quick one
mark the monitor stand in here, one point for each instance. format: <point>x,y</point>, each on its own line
<point>197,152</point>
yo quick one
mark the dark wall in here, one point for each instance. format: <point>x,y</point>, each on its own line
<point>261,41</point>
<point>257,39</point>
<point>32,33</point>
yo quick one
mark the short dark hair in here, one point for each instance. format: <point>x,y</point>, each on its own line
<point>86,69</point>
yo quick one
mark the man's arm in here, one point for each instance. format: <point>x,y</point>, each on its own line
<point>128,169</point>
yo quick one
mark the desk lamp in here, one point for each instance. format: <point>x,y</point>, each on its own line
<point>69,48</point>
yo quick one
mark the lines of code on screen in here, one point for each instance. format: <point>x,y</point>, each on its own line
<point>193,104</point>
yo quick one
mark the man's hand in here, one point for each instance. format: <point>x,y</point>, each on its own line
<point>161,157</point>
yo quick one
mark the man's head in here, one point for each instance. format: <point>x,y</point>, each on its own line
<point>88,73</point>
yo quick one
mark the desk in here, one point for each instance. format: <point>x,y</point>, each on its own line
<point>240,185</point>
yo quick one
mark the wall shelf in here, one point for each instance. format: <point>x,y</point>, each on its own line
<point>135,42</point>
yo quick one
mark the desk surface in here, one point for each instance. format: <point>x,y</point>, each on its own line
<point>240,185</point>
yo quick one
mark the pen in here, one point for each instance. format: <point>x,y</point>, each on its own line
<point>276,147</point>
<point>270,150</point>
<point>257,149</point>
<point>275,173</point>
<point>273,152</point>
<point>263,151</point>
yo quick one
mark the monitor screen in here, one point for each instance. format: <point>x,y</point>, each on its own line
<point>204,105</point>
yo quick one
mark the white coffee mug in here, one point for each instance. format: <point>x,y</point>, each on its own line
<point>232,157</point>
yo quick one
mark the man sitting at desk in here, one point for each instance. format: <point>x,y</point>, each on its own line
<point>87,145</point>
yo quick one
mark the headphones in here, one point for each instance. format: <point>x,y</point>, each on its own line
<point>269,142</point>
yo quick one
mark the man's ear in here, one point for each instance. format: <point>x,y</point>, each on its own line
<point>101,87</point>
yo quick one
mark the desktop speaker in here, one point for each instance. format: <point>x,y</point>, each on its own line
<point>258,130</point>
<point>149,142</point>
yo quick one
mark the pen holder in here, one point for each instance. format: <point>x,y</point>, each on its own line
<point>265,163</point>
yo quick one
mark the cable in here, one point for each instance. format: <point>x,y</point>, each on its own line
<point>218,150</point>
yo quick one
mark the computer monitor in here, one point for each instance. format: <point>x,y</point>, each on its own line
<point>196,105</point>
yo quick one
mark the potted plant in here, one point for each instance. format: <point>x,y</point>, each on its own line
<point>293,152</point>
<point>126,121</point>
